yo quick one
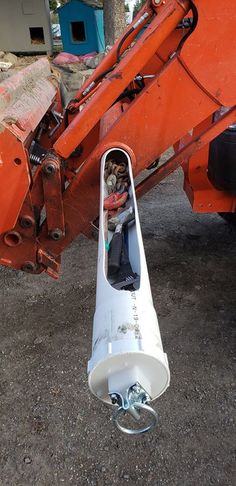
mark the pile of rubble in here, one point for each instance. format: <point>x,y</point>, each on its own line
<point>8,61</point>
<point>73,70</point>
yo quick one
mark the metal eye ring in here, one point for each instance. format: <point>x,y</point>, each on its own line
<point>140,406</point>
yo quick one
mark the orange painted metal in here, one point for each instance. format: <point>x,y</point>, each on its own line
<point>191,78</point>
<point>160,28</point>
<point>48,263</point>
<point>204,197</point>
<point>24,100</point>
<point>21,254</point>
<point>14,178</point>
<point>110,58</point>
<point>209,54</point>
<point>195,144</point>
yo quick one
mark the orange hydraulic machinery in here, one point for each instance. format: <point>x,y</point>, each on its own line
<point>170,81</point>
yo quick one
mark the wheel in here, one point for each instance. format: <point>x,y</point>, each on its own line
<point>229,217</point>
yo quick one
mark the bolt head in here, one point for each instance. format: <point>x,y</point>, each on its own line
<point>29,267</point>
<point>56,234</point>
<point>49,168</point>
<point>136,388</point>
<point>146,398</point>
<point>27,222</point>
<point>113,399</point>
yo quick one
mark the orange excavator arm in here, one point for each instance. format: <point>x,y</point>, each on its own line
<point>169,82</point>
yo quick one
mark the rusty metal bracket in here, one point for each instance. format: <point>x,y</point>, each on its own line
<point>52,188</point>
<point>51,265</point>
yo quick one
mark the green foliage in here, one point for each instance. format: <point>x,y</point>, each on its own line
<point>53,5</point>
<point>138,4</point>
<point>127,7</point>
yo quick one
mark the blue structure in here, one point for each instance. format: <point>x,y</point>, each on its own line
<point>82,28</point>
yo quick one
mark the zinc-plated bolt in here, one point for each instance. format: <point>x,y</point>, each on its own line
<point>136,388</point>
<point>113,399</point>
<point>146,398</point>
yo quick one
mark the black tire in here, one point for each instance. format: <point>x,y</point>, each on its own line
<point>229,217</point>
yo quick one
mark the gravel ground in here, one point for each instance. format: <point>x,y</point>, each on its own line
<point>52,431</point>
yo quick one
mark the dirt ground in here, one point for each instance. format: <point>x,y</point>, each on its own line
<point>53,432</point>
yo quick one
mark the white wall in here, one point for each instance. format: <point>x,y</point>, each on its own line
<point>16,17</point>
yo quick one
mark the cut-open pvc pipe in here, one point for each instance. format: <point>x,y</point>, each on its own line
<point>127,346</point>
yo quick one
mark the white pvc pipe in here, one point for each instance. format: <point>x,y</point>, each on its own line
<point>127,346</point>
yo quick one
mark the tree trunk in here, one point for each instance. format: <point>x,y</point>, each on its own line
<point>114,20</point>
